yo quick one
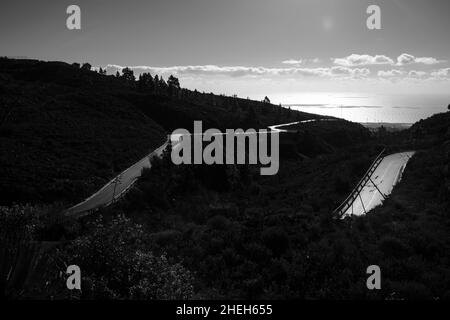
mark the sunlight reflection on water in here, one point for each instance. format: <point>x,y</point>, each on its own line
<point>369,108</point>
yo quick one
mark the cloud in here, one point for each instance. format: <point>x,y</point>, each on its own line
<point>353,72</point>
<point>390,73</point>
<point>233,71</point>
<point>362,60</point>
<point>428,60</point>
<point>333,72</point>
<point>405,59</point>
<point>354,60</point>
<point>417,74</point>
<point>441,74</point>
<point>292,61</point>
<point>300,61</point>
<point>240,71</point>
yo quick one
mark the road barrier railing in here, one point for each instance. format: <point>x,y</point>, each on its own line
<point>78,210</point>
<point>347,203</point>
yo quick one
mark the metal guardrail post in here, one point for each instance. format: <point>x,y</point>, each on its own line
<point>343,207</point>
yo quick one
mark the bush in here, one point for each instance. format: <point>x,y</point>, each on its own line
<point>119,265</point>
<point>393,247</point>
<point>276,240</point>
<point>218,222</point>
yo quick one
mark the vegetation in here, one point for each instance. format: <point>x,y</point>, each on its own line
<point>220,231</point>
<point>247,236</point>
<point>65,130</point>
<point>62,133</point>
<point>113,255</point>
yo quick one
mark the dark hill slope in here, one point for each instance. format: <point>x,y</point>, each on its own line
<point>319,137</point>
<point>62,135</point>
<point>431,131</point>
<point>413,225</point>
<point>65,131</point>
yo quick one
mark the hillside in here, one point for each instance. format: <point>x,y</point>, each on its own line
<point>208,231</point>
<point>241,235</point>
<point>66,130</point>
<point>62,133</point>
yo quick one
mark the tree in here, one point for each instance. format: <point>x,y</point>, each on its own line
<point>173,82</point>
<point>128,75</point>
<point>448,107</point>
<point>156,84</point>
<point>162,83</point>
<point>102,71</point>
<point>123,266</point>
<point>174,85</point>
<point>145,82</point>
<point>86,66</point>
<point>266,100</point>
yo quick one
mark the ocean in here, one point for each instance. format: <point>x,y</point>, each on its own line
<point>369,107</point>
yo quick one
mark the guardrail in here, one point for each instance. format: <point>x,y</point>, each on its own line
<point>347,203</point>
<point>72,211</point>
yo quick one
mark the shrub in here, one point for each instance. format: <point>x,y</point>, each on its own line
<point>393,247</point>
<point>276,240</point>
<point>115,259</point>
<point>218,222</point>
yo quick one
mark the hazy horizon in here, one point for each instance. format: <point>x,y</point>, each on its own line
<point>304,52</point>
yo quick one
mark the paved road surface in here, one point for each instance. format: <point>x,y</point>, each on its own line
<point>114,188</point>
<point>125,180</point>
<point>385,177</point>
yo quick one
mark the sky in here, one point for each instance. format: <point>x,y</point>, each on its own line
<point>317,55</point>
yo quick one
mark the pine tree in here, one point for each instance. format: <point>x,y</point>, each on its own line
<point>173,85</point>
<point>128,75</point>
<point>86,66</point>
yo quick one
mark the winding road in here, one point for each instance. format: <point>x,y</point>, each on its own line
<point>118,186</point>
<point>387,174</point>
<point>115,188</point>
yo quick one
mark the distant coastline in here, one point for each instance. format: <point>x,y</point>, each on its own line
<point>374,126</point>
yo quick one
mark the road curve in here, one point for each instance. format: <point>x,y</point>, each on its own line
<point>278,126</point>
<point>118,186</point>
<point>387,174</point>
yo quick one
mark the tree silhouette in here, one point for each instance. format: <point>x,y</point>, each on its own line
<point>173,82</point>
<point>145,82</point>
<point>128,75</point>
<point>102,71</point>
<point>156,84</point>
<point>174,85</point>
<point>266,100</point>
<point>86,66</point>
